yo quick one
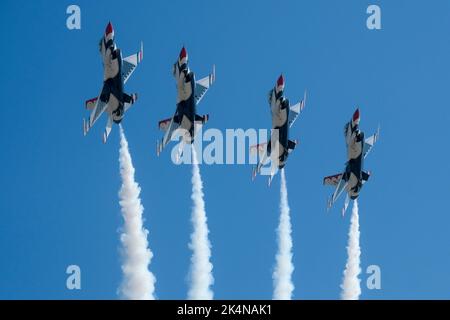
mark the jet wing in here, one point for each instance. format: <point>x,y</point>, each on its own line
<point>370,142</point>
<point>130,63</point>
<point>261,150</point>
<point>164,124</point>
<point>295,110</point>
<point>169,127</point>
<point>340,184</point>
<point>98,107</point>
<point>202,85</point>
<point>332,180</point>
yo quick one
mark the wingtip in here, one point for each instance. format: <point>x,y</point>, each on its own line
<point>329,204</point>
<point>213,74</point>
<point>86,126</point>
<point>141,53</point>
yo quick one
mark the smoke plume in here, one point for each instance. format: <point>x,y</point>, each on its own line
<point>351,289</point>
<point>138,282</point>
<point>282,281</point>
<point>201,277</point>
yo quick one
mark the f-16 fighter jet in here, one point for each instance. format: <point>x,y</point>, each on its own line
<point>116,72</point>
<point>353,177</point>
<point>279,146</point>
<point>189,94</point>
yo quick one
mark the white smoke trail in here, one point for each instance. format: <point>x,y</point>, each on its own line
<point>138,281</point>
<point>282,281</point>
<point>201,268</point>
<point>350,286</point>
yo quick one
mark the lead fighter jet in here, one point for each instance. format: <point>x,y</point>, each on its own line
<point>353,177</point>
<point>279,146</point>
<point>116,72</point>
<point>189,94</point>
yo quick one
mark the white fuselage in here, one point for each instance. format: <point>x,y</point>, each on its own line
<point>279,116</point>
<point>184,93</point>
<point>279,119</point>
<point>354,148</point>
<point>111,69</point>
<point>110,65</point>
<point>184,88</point>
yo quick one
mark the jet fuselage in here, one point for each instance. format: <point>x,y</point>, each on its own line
<point>186,106</point>
<point>354,167</point>
<point>112,92</point>
<point>280,127</point>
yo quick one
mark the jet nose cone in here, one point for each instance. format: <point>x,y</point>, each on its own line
<point>183,56</point>
<point>183,53</point>
<point>356,116</point>
<point>109,29</point>
<point>280,84</point>
<point>280,81</point>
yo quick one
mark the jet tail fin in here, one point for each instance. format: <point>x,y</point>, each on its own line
<point>107,129</point>
<point>86,126</point>
<point>347,202</point>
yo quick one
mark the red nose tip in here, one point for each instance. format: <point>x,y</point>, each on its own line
<point>183,53</point>
<point>356,115</point>
<point>280,81</point>
<point>109,29</point>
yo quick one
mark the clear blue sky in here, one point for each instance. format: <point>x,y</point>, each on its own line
<point>59,194</point>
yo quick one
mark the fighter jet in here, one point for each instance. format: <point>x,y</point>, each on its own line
<point>277,150</point>
<point>116,72</point>
<point>189,94</point>
<point>354,177</point>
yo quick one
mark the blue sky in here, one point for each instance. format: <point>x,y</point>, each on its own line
<point>59,199</point>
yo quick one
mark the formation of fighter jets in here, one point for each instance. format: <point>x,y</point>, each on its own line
<point>274,153</point>
<point>189,94</point>
<point>116,72</point>
<point>353,177</point>
<point>278,148</point>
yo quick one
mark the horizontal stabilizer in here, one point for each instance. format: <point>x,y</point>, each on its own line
<point>332,180</point>
<point>258,148</point>
<point>90,104</point>
<point>164,124</point>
